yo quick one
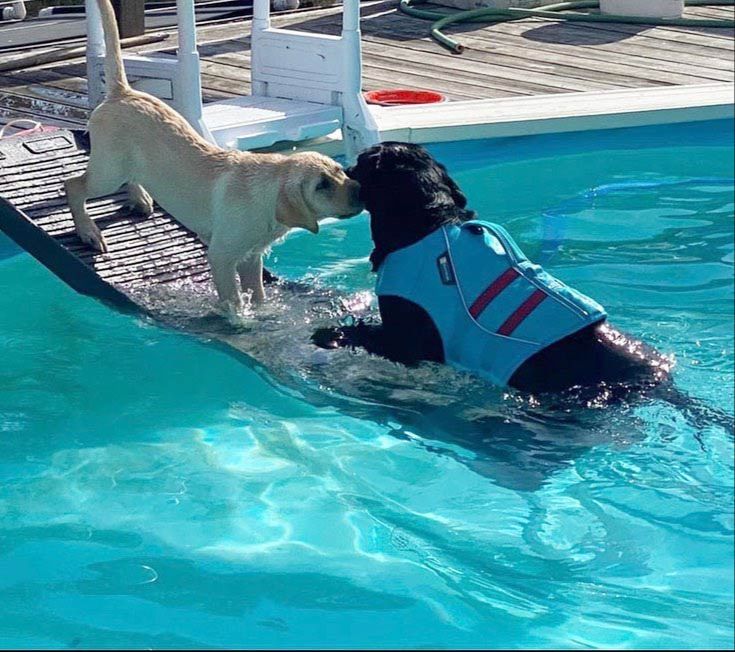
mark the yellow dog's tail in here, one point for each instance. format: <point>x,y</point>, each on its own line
<point>115,79</point>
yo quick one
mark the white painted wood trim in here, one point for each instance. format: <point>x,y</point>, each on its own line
<point>541,114</point>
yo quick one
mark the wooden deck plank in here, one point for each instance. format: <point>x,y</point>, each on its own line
<point>693,68</point>
<point>712,37</point>
<point>716,37</point>
<point>665,37</point>
<point>573,37</point>
<point>7,116</point>
<point>687,62</point>
<point>577,33</point>
<point>529,57</point>
<point>633,65</point>
<point>45,91</point>
<point>45,112</point>
<point>381,58</point>
<point>555,31</point>
<point>557,63</point>
<point>236,66</point>
<point>625,70</point>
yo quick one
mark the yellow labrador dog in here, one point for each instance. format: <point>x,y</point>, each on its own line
<point>238,203</point>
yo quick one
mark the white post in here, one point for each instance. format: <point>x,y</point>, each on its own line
<point>189,69</point>
<point>351,39</point>
<point>95,53</point>
<point>351,15</point>
<point>187,25</point>
<point>359,128</point>
<point>261,23</point>
<point>261,15</point>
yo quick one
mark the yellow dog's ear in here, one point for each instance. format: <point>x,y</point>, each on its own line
<point>292,209</point>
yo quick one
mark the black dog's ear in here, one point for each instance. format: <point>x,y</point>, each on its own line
<point>368,162</point>
<point>457,195</point>
<point>377,160</point>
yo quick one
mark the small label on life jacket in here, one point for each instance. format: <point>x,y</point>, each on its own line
<point>446,273</point>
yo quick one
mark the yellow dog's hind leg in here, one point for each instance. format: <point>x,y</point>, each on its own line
<point>139,201</point>
<point>103,176</point>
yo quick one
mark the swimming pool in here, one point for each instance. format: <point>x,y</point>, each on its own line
<point>157,492</point>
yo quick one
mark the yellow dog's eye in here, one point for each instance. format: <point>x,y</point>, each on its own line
<point>324,182</point>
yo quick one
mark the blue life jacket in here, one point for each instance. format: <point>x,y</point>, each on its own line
<point>493,308</point>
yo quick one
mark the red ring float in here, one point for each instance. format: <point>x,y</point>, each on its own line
<point>398,96</point>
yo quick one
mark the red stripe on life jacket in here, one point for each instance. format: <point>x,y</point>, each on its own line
<point>492,291</point>
<point>525,309</point>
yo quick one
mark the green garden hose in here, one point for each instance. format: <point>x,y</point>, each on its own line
<point>490,15</point>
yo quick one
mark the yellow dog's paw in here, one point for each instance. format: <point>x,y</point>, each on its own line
<point>139,202</point>
<point>92,236</point>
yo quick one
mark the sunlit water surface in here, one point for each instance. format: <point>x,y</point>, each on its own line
<point>156,491</point>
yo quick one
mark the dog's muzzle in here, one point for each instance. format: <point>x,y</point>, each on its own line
<point>356,203</point>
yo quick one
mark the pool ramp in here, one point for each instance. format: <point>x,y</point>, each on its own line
<point>143,251</point>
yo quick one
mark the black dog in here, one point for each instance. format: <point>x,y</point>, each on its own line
<point>409,195</point>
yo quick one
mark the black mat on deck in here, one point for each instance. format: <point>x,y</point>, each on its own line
<point>33,212</point>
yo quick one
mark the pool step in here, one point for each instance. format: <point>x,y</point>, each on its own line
<point>143,251</point>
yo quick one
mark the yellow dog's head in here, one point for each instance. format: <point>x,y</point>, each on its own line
<point>314,186</point>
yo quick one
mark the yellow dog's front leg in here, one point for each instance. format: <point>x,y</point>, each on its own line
<point>251,278</point>
<point>223,263</point>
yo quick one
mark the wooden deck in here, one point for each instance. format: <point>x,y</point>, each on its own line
<point>530,57</point>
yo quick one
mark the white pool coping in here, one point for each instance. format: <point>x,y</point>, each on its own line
<point>544,114</point>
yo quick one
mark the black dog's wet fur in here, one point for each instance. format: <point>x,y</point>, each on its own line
<point>408,195</point>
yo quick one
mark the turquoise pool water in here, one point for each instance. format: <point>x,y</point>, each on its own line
<point>157,492</point>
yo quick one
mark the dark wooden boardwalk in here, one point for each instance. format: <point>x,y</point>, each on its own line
<point>142,251</point>
<point>530,57</point>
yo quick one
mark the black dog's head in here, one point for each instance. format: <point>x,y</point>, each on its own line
<point>408,195</point>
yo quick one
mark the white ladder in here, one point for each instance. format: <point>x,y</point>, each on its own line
<point>304,85</point>
<point>175,79</point>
